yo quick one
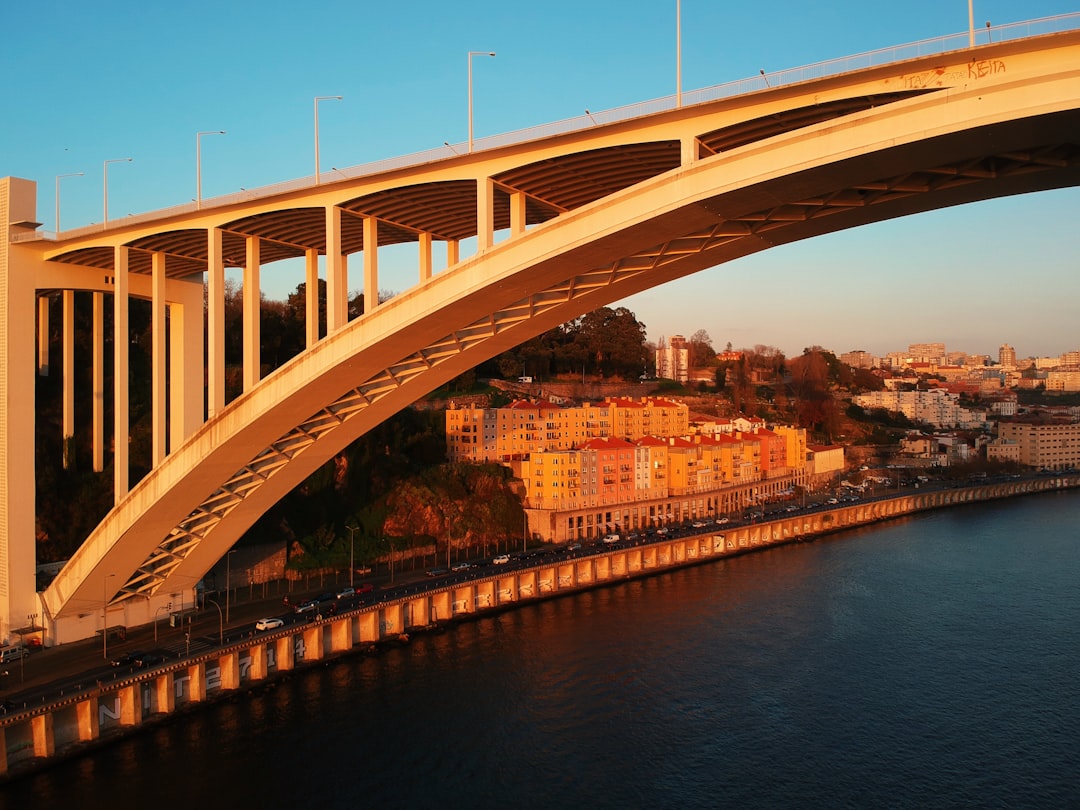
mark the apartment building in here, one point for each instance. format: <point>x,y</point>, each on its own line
<point>936,407</point>
<point>1045,447</point>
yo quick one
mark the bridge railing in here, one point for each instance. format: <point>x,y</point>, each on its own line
<point>832,67</point>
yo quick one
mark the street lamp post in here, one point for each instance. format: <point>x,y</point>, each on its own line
<point>106,183</point>
<point>60,177</point>
<point>228,559</point>
<point>221,623</point>
<point>352,568</point>
<point>198,163</point>
<point>471,55</point>
<point>105,616</point>
<point>678,53</point>
<point>317,100</point>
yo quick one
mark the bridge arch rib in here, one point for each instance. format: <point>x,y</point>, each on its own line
<point>918,154</point>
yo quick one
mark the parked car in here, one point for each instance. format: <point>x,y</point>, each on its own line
<point>364,587</point>
<point>699,524</point>
<point>269,624</point>
<point>461,566</point>
<point>662,530</point>
<point>310,606</point>
<point>502,559</point>
<point>573,547</point>
<point>436,572</point>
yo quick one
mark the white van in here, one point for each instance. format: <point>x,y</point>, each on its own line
<point>611,538</point>
<point>12,654</point>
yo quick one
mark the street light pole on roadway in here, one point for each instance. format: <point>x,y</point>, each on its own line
<point>317,100</point>
<point>105,174</point>
<point>198,163</point>
<point>228,559</point>
<point>471,55</point>
<point>105,616</point>
<point>60,177</point>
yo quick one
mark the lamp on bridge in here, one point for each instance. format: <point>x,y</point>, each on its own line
<point>106,183</point>
<point>198,163</point>
<point>105,616</point>
<point>60,177</point>
<point>317,100</point>
<point>471,55</point>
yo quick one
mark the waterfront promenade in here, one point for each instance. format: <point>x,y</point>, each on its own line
<point>69,698</point>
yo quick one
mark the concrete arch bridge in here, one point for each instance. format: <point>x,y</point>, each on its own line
<point>565,219</point>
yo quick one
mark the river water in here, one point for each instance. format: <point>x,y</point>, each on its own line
<point>926,662</point>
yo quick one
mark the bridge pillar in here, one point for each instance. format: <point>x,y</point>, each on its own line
<point>341,635</point>
<point>285,653</point>
<point>188,346</point>
<point>121,353</point>
<point>424,240</point>
<point>485,214</point>
<point>87,722</point>
<point>130,698</point>
<point>337,294</point>
<point>158,366</point>
<point>453,252</point>
<point>164,692</point>
<point>229,669</point>
<point>313,643</point>
<point>259,659</point>
<point>252,338</point>
<point>215,323</point>
<point>18,201</point>
<point>67,341</point>
<point>517,213</point>
<point>369,626</point>
<point>44,741</point>
<point>98,372</point>
<point>43,336</point>
<point>371,264</point>
<point>311,296</point>
<point>196,678</point>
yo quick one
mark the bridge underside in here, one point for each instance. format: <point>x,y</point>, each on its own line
<point>876,163</point>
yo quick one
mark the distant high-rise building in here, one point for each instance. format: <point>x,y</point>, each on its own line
<point>1007,356</point>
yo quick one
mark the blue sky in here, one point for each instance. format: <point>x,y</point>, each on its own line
<point>126,78</point>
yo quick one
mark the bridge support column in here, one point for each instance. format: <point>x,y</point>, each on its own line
<point>229,669</point>
<point>517,213</point>
<point>341,635</point>
<point>371,264</point>
<point>311,296</point>
<point>43,336</point>
<point>252,338</point>
<point>197,682</point>
<point>121,341</point>
<point>186,364</point>
<point>337,282</point>
<point>98,395</point>
<point>42,729</point>
<point>453,252</point>
<point>259,658</point>
<point>369,627</point>
<point>158,367</point>
<point>313,643</point>
<point>215,320</point>
<point>485,214</point>
<point>164,694</point>
<point>285,653</point>
<point>88,724</point>
<point>425,242</point>
<point>130,705</point>
<point>67,341</point>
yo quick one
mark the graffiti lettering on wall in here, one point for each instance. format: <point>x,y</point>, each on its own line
<point>943,76</point>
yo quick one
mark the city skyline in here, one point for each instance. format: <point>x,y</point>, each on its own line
<point>971,277</point>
